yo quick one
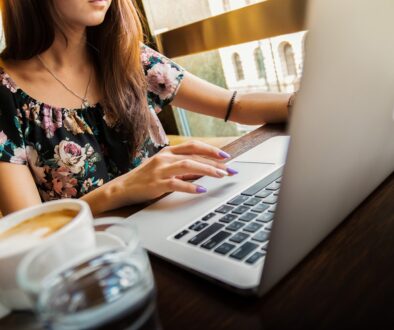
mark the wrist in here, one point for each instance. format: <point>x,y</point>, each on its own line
<point>114,193</point>
<point>104,198</point>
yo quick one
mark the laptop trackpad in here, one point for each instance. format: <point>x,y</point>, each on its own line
<point>219,190</point>
<point>273,151</point>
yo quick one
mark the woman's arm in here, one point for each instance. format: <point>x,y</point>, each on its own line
<point>200,96</point>
<point>162,173</point>
<point>17,188</point>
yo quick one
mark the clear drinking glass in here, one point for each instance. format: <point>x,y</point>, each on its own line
<point>109,288</point>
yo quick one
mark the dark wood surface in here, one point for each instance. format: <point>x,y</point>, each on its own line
<point>347,282</point>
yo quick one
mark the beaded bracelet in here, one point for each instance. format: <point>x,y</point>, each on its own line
<point>230,106</point>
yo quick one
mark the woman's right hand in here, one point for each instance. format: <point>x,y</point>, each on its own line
<point>166,171</point>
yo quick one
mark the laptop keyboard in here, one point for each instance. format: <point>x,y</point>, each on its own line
<point>240,228</point>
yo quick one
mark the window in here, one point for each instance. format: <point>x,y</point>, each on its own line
<point>226,5</point>
<point>218,67</point>
<point>248,71</point>
<point>170,14</point>
<point>239,71</point>
<point>259,61</point>
<point>288,62</point>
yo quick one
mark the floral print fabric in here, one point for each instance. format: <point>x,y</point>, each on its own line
<point>70,152</point>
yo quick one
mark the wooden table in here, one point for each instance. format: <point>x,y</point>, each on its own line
<point>345,283</point>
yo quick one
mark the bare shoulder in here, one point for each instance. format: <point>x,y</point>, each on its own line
<point>21,71</point>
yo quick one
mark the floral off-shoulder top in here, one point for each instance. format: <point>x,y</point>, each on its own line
<point>70,152</point>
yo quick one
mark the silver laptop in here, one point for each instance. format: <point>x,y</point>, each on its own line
<point>249,230</point>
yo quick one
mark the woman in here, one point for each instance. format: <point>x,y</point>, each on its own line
<point>79,95</point>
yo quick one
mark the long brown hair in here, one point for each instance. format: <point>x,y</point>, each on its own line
<point>29,30</point>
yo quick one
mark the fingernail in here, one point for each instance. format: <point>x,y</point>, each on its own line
<point>224,154</point>
<point>222,172</point>
<point>231,171</point>
<point>201,190</point>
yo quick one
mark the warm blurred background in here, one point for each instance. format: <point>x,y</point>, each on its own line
<point>244,45</point>
<point>272,64</point>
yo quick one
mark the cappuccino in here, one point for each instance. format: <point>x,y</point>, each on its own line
<point>64,227</point>
<point>32,230</point>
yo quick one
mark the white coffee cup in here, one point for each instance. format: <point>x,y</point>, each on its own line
<point>73,238</point>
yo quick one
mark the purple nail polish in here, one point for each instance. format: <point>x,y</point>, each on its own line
<point>224,154</point>
<point>201,190</point>
<point>231,171</point>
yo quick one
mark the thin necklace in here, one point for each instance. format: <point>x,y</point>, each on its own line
<point>85,104</point>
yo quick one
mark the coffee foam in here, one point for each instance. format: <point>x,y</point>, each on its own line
<point>31,231</point>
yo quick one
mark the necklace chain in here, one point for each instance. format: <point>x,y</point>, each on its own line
<point>85,103</point>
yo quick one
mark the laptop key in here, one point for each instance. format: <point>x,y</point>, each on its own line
<point>224,248</point>
<point>255,188</point>
<point>265,217</point>
<point>272,209</point>
<point>202,236</point>
<point>273,186</point>
<point>243,250</point>
<point>200,226</point>
<point>228,218</point>
<point>181,234</point>
<point>253,227</point>
<point>234,226</point>
<point>252,201</point>
<point>208,216</point>
<point>238,200</point>
<point>224,209</point>
<point>270,200</point>
<point>241,209</point>
<point>254,257</point>
<point>239,237</point>
<point>268,226</point>
<point>263,193</point>
<point>264,246</point>
<point>248,217</point>
<point>261,236</point>
<point>215,240</point>
<point>260,208</point>
<point>194,225</point>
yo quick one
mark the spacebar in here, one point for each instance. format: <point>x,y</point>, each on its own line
<point>206,233</point>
